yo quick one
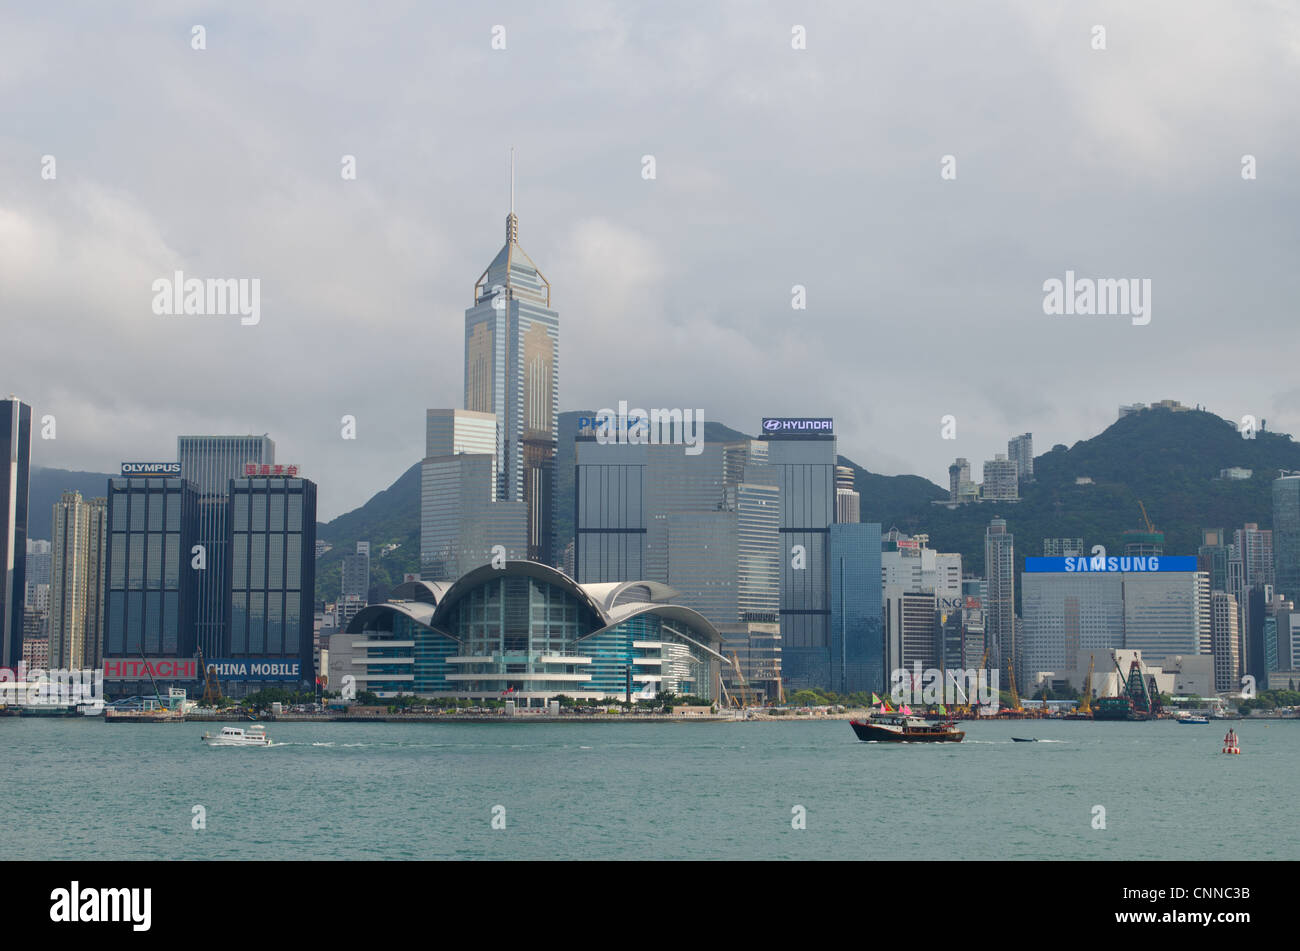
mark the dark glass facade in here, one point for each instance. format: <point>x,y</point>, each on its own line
<point>149,578</point>
<point>804,468</point>
<point>272,549</point>
<point>1286,537</point>
<point>210,462</point>
<point>856,626</point>
<point>16,444</point>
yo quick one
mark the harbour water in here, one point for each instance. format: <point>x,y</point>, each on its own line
<point>87,790</point>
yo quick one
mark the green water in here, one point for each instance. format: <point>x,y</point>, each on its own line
<point>85,789</point>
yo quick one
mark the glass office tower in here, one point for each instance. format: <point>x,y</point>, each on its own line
<point>16,445</point>
<point>856,627</point>
<point>150,587</point>
<point>803,464</point>
<point>272,538</point>
<point>210,462</point>
<point>1286,537</point>
<point>512,369</point>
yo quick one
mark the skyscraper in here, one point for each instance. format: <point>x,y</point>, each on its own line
<point>856,634</point>
<point>1020,450</point>
<point>999,607</point>
<point>460,517</point>
<point>272,530</point>
<point>1000,482</point>
<point>16,446</point>
<point>848,503</point>
<point>512,370</point>
<point>209,463</point>
<point>802,463</point>
<point>356,573</point>
<point>96,566</point>
<point>150,584</point>
<point>1286,536</point>
<point>70,580</point>
<point>958,475</point>
<point>1225,641</point>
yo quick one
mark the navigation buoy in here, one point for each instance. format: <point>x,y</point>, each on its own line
<point>1231,743</point>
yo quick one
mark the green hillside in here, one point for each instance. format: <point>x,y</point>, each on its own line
<point>1168,460</point>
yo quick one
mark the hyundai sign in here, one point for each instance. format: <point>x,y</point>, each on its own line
<point>1113,564</point>
<point>151,468</point>
<point>785,425</point>
<point>257,668</point>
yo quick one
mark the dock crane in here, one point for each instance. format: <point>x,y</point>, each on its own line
<point>1015,694</point>
<point>211,686</point>
<point>1085,705</point>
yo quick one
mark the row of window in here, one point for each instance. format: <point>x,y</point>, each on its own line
<point>147,621</point>
<point>268,561</point>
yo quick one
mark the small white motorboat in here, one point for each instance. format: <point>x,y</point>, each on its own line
<point>236,736</point>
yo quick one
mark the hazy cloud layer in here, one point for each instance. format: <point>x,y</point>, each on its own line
<point>775,167</point>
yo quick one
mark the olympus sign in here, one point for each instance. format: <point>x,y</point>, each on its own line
<point>151,468</point>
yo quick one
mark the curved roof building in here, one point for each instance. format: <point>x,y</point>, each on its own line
<point>531,632</point>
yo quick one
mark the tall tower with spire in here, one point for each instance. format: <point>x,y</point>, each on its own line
<point>512,369</point>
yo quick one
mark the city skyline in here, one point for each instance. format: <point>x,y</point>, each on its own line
<point>749,146</point>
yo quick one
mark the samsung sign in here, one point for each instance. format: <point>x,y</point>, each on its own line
<point>151,468</point>
<point>1114,563</point>
<point>775,426</point>
<point>257,668</point>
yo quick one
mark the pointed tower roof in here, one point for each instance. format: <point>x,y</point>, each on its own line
<point>512,269</point>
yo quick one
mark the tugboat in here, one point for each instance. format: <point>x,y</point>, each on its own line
<point>905,728</point>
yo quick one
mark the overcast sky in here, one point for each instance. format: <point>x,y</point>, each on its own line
<point>774,167</point>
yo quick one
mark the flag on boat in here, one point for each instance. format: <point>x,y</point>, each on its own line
<point>905,710</point>
<point>875,699</point>
<point>942,710</point>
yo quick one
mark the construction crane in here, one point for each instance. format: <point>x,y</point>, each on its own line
<point>1015,695</point>
<point>211,686</point>
<point>1150,528</point>
<point>1085,705</point>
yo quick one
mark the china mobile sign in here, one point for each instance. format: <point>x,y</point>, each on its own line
<point>256,668</point>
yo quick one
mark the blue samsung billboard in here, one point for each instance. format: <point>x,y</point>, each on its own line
<point>257,668</point>
<point>1112,563</point>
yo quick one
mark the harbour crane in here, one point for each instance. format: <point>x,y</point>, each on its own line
<point>211,686</point>
<point>1085,705</point>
